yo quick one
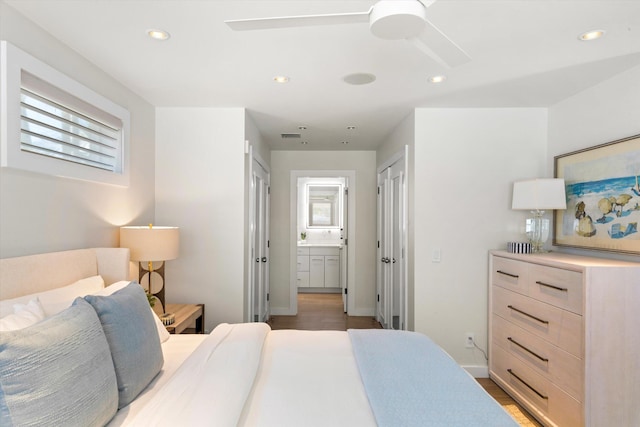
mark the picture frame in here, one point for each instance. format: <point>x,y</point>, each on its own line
<point>602,186</point>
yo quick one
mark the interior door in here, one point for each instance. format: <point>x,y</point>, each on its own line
<point>382,252</point>
<point>391,278</point>
<point>260,244</point>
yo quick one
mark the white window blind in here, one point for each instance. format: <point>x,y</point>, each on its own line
<point>52,124</point>
<point>51,129</point>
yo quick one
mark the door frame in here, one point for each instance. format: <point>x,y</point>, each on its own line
<point>293,233</point>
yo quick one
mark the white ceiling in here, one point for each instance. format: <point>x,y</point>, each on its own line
<point>525,53</point>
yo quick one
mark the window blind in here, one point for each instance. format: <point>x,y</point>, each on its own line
<point>51,129</point>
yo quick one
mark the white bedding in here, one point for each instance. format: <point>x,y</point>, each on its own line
<point>175,351</point>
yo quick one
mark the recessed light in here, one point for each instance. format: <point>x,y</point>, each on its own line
<point>345,142</point>
<point>304,142</point>
<point>281,79</point>
<point>158,34</point>
<point>302,127</point>
<point>591,35</point>
<point>437,79</point>
<point>351,127</point>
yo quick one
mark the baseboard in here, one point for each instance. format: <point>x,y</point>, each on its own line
<point>477,371</point>
<point>362,312</point>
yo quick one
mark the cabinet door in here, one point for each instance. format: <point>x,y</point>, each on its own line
<point>316,271</point>
<point>303,263</point>
<point>303,279</point>
<point>332,271</point>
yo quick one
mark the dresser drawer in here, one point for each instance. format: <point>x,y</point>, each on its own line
<point>562,288</point>
<point>303,263</point>
<point>555,325</point>
<point>563,369</point>
<point>324,251</point>
<point>553,403</point>
<point>303,251</point>
<point>510,274</point>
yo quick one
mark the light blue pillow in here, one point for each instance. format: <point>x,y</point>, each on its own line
<point>133,339</point>
<point>58,372</point>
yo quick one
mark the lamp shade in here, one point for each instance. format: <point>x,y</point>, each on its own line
<point>150,243</point>
<point>539,194</point>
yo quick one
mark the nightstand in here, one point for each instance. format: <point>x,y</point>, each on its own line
<point>189,318</point>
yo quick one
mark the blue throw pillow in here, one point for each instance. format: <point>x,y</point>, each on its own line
<point>58,372</point>
<point>133,339</point>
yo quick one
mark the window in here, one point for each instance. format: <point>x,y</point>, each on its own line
<point>55,125</point>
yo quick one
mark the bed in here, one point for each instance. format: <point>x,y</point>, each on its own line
<point>239,374</point>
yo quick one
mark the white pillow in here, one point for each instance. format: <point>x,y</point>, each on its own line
<point>25,315</point>
<point>56,300</point>
<point>163,334</point>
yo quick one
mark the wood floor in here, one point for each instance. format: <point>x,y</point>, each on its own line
<point>324,312</point>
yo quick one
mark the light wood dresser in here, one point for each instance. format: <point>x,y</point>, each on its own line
<point>564,337</point>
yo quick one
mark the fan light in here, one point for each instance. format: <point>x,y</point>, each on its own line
<point>359,79</point>
<point>395,20</point>
<point>591,35</point>
<point>281,79</point>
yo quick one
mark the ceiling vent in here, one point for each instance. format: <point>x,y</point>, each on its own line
<point>289,135</point>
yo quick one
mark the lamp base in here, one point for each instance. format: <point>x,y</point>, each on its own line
<point>159,295</point>
<point>537,229</point>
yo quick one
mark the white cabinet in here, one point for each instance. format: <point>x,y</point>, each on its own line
<point>563,336</point>
<point>319,267</point>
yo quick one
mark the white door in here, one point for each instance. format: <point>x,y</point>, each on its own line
<point>259,283</point>
<point>391,281</point>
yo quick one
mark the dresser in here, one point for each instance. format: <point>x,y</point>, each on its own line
<point>564,337</point>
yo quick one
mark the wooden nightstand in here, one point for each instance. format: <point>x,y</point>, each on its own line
<point>189,318</point>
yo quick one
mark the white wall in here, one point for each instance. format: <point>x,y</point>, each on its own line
<point>41,213</point>
<point>465,163</point>
<point>363,162</point>
<point>603,113</point>
<point>200,187</point>
<point>404,135</point>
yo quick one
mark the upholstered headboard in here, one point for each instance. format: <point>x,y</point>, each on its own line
<point>37,273</point>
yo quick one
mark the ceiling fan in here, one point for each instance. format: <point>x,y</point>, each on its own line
<point>388,19</point>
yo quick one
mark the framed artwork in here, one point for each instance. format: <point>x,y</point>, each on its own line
<point>602,186</point>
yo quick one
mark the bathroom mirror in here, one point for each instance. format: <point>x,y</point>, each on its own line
<point>323,204</point>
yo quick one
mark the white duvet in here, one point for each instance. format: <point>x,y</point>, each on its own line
<point>246,374</point>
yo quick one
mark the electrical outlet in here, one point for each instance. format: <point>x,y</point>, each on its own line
<point>468,340</point>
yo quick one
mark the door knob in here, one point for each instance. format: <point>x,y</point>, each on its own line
<point>264,259</point>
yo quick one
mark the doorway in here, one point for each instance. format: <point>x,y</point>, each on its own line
<point>322,212</point>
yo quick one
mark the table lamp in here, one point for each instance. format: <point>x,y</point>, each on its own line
<point>538,195</point>
<point>151,244</point>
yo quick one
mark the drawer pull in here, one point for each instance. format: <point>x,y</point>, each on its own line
<point>552,287</point>
<point>525,383</point>
<point>507,274</point>
<point>528,315</point>
<point>544,359</point>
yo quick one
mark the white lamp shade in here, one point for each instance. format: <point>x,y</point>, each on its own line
<point>539,194</point>
<point>150,243</point>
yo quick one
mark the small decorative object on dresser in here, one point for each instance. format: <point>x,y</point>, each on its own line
<point>188,318</point>
<point>563,336</point>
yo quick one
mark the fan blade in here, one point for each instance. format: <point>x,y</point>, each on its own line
<point>439,47</point>
<point>298,21</point>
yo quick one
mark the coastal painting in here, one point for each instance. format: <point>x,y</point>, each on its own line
<point>603,197</point>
